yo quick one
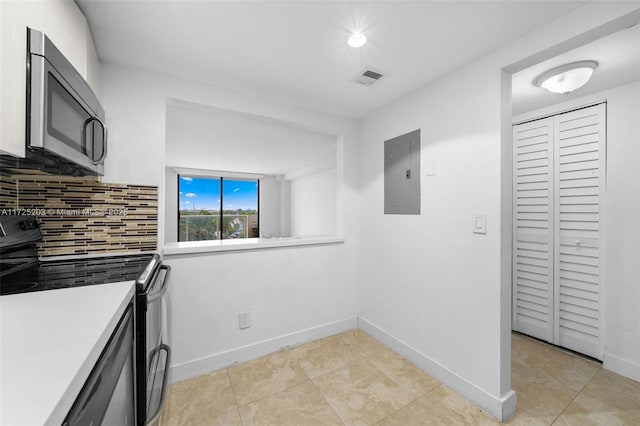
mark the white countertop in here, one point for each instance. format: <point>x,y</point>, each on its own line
<point>50,341</point>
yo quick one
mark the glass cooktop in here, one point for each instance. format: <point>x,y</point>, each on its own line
<point>49,275</point>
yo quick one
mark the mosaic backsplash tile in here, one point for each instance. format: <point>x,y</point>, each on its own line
<point>8,191</point>
<point>83,216</point>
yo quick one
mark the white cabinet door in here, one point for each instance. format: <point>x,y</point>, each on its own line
<point>558,179</point>
<point>533,229</point>
<point>93,66</point>
<point>13,45</point>
<point>580,170</point>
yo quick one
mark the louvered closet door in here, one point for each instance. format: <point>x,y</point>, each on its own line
<point>579,163</point>
<point>533,229</point>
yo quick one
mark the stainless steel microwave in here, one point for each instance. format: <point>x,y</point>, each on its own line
<point>65,122</point>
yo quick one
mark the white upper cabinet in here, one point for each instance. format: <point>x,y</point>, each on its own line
<point>65,25</point>
<point>93,66</point>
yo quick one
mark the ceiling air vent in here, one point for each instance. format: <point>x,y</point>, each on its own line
<point>367,77</point>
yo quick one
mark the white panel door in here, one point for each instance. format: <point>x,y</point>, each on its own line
<point>533,229</point>
<point>559,188</point>
<point>579,162</point>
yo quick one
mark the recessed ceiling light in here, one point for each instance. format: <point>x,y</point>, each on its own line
<point>566,78</point>
<point>357,39</point>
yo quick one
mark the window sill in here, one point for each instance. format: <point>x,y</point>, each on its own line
<point>191,247</point>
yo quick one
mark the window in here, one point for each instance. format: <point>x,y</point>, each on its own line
<point>214,208</point>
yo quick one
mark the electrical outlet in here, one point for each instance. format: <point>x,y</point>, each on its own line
<point>245,319</point>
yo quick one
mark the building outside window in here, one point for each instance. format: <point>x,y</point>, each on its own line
<point>215,207</point>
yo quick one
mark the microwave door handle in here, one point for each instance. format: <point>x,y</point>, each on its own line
<point>104,138</point>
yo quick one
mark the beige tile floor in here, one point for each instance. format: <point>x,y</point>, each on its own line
<point>352,379</point>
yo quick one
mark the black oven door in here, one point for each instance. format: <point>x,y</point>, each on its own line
<point>108,395</point>
<point>155,354</point>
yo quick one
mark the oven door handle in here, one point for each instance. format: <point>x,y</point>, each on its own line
<point>165,377</point>
<point>152,297</point>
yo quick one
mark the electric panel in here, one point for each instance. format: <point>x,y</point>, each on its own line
<point>402,174</point>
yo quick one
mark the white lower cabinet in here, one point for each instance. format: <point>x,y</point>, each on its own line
<point>558,195</point>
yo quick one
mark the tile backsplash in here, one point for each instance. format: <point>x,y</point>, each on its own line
<point>8,192</point>
<point>83,216</point>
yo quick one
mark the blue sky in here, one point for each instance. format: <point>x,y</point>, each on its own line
<point>197,193</point>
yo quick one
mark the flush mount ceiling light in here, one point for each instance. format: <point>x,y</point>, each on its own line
<point>567,78</point>
<point>357,39</point>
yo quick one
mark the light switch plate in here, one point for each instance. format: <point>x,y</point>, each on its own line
<point>430,166</point>
<point>479,224</point>
<point>245,319</point>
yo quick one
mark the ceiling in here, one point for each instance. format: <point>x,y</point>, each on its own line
<point>618,57</point>
<point>297,50</point>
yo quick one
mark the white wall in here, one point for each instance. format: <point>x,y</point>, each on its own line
<point>203,137</point>
<point>285,208</point>
<point>293,294</point>
<point>170,205</point>
<point>621,238</point>
<point>313,204</point>
<point>271,203</point>
<point>427,280</point>
<point>430,287</point>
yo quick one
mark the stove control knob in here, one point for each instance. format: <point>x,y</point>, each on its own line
<point>28,224</point>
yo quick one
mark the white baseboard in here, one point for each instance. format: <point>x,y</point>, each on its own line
<point>622,366</point>
<point>502,408</point>
<point>224,359</point>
